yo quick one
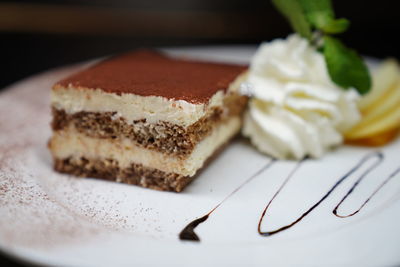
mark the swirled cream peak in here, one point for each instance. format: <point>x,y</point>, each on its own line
<point>295,110</point>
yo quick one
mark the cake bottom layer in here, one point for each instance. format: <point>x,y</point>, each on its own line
<point>122,160</point>
<point>135,174</point>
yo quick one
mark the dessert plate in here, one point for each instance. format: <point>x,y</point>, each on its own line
<point>50,218</point>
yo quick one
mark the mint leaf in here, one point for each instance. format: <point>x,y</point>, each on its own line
<point>320,15</point>
<point>318,12</point>
<point>346,68</point>
<point>293,11</point>
<point>336,26</point>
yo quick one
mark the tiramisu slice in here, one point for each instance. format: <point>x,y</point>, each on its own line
<point>145,118</point>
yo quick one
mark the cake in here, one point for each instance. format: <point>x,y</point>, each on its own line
<point>145,118</point>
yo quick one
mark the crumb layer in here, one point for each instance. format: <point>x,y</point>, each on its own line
<point>136,174</point>
<point>162,136</point>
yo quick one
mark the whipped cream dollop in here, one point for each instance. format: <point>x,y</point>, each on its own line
<point>295,109</point>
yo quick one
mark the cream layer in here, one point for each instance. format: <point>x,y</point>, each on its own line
<point>134,107</point>
<point>70,143</point>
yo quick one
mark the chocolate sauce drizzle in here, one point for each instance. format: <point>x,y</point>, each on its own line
<point>188,232</point>
<point>376,158</point>
<point>391,176</point>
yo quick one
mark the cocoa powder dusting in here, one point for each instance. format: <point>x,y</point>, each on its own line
<point>150,73</point>
<point>40,208</point>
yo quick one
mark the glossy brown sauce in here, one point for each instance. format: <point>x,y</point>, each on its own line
<point>188,232</point>
<point>374,159</point>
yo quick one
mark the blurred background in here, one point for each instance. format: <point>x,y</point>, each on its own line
<point>38,35</point>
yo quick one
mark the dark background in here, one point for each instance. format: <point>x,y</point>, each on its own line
<point>39,35</point>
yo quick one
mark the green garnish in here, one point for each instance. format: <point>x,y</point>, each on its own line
<point>346,68</point>
<point>293,11</point>
<point>320,15</point>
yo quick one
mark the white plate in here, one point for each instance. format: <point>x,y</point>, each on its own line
<point>49,218</point>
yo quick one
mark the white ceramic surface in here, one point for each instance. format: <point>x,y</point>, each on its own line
<point>49,218</point>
